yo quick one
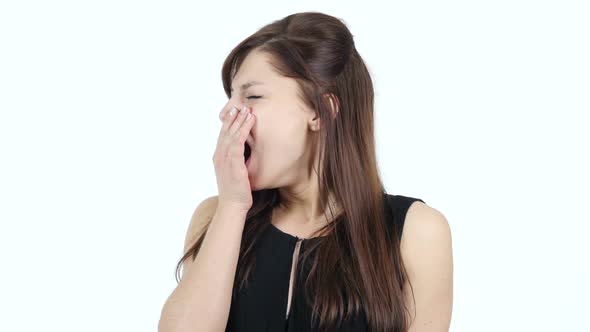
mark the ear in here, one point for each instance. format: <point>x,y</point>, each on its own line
<point>334,108</point>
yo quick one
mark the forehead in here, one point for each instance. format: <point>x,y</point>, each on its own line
<point>255,70</point>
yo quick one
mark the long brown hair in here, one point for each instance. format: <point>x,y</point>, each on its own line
<point>361,267</point>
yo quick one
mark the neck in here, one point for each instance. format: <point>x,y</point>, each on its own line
<point>302,199</point>
<point>303,203</point>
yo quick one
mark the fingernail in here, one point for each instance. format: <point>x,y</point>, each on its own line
<point>233,111</point>
<point>244,109</point>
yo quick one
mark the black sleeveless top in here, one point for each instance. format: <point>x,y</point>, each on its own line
<point>262,305</point>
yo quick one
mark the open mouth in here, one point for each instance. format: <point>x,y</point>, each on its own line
<point>247,151</point>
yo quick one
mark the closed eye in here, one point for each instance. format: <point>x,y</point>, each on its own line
<point>253,97</point>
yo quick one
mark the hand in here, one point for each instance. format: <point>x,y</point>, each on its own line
<point>230,169</point>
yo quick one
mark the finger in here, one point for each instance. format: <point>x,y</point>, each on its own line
<point>227,138</point>
<point>238,121</point>
<point>228,119</point>
<point>233,133</point>
<point>226,108</point>
<point>238,140</point>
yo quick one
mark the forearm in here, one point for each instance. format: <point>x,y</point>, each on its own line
<point>202,299</point>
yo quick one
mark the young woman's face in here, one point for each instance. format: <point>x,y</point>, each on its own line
<point>284,126</point>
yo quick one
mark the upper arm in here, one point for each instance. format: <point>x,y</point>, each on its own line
<point>426,250</point>
<point>200,220</point>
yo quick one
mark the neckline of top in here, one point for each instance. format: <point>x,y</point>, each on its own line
<point>293,237</point>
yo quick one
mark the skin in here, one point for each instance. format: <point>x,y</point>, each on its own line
<point>282,157</point>
<point>426,249</point>
<point>283,134</point>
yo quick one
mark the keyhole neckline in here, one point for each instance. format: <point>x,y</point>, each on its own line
<point>293,237</point>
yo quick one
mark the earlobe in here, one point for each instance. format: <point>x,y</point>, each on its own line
<point>315,123</point>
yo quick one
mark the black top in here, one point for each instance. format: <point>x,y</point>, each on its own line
<point>262,306</point>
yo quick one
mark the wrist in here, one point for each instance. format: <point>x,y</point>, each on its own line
<point>231,210</point>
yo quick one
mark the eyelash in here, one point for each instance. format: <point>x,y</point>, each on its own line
<point>254,97</point>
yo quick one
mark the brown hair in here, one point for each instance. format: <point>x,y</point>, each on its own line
<point>361,267</point>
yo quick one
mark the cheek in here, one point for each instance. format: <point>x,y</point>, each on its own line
<point>279,132</point>
<point>284,142</point>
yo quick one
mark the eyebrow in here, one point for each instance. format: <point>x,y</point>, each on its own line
<point>248,84</point>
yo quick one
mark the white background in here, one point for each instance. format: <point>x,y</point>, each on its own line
<point>109,121</point>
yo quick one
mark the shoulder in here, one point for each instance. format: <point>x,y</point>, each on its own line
<point>424,223</point>
<point>200,220</point>
<point>416,220</point>
<point>426,249</point>
<point>207,204</point>
<point>397,207</point>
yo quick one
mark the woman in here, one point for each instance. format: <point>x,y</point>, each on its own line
<point>302,235</point>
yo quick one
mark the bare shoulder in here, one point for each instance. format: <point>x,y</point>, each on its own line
<point>200,220</point>
<point>426,236</point>
<point>426,249</point>
<point>424,222</point>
